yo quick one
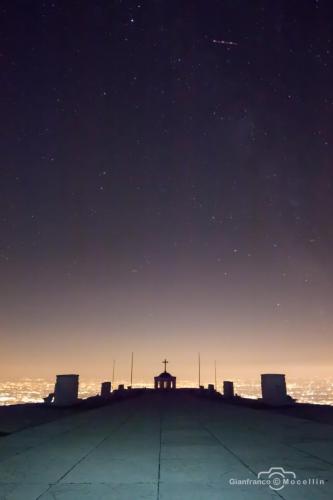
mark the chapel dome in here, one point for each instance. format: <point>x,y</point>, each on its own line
<point>165,375</point>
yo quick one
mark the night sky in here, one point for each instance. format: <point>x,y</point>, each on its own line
<point>165,191</point>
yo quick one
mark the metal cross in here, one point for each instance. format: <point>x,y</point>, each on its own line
<point>165,363</point>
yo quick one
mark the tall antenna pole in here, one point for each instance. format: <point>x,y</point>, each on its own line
<point>113,367</point>
<point>199,369</point>
<point>215,374</point>
<point>132,370</point>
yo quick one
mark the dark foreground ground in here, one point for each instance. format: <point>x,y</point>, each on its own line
<point>172,446</point>
<point>17,417</point>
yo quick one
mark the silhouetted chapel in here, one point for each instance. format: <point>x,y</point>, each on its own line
<point>165,381</point>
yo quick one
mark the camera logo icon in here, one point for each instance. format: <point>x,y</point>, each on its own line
<point>276,477</point>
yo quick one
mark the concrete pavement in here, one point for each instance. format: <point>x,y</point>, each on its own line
<point>166,447</point>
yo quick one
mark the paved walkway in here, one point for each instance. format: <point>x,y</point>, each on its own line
<point>165,447</point>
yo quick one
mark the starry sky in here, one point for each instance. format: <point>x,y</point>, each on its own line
<point>166,187</point>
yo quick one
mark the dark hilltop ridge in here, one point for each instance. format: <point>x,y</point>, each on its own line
<point>65,401</point>
<point>14,418</point>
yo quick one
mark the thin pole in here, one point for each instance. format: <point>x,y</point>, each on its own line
<point>132,370</point>
<point>199,369</point>
<point>113,367</point>
<point>215,373</point>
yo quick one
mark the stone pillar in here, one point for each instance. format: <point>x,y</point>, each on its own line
<point>228,389</point>
<point>66,390</point>
<point>273,388</point>
<point>106,389</point>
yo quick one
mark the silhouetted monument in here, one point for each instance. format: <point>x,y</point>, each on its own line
<point>228,389</point>
<point>274,390</point>
<point>165,381</point>
<point>106,390</point>
<point>66,390</point>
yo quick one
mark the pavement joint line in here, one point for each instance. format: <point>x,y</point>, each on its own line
<point>85,456</point>
<point>312,455</point>
<point>56,436</point>
<point>95,447</point>
<point>235,455</point>
<point>45,491</point>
